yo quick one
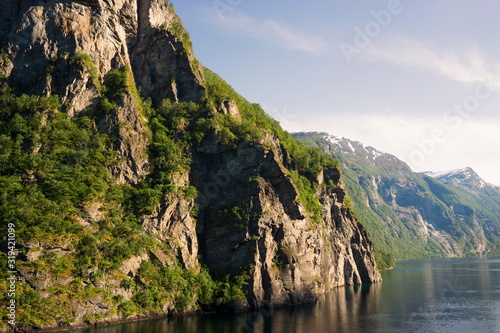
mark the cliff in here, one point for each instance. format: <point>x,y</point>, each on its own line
<point>141,184</point>
<point>293,258</point>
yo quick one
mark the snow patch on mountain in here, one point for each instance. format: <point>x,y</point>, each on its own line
<point>355,147</point>
<point>461,176</point>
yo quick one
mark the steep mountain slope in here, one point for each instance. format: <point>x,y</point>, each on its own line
<point>411,215</point>
<point>484,198</point>
<point>140,184</point>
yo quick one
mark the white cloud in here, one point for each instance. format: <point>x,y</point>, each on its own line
<point>271,30</point>
<point>468,67</point>
<point>294,39</point>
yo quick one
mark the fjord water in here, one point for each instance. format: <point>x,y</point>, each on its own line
<point>438,295</point>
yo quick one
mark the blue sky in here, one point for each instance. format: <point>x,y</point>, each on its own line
<point>418,79</point>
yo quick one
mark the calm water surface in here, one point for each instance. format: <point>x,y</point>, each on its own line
<point>444,295</point>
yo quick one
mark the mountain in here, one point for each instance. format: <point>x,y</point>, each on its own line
<point>483,197</point>
<point>137,183</point>
<point>411,215</point>
<point>464,178</point>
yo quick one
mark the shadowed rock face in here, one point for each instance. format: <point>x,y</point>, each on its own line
<point>250,216</point>
<point>163,67</point>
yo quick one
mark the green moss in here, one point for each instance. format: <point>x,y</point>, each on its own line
<point>177,29</point>
<point>83,59</point>
<point>54,167</point>
<point>288,251</point>
<point>307,196</point>
<point>186,288</point>
<point>4,60</point>
<point>129,308</point>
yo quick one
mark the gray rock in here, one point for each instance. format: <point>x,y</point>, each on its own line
<point>293,260</point>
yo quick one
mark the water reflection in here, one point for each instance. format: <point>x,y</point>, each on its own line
<point>419,296</point>
<point>341,310</point>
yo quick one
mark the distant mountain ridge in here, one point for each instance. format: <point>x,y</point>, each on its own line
<point>482,196</point>
<point>415,215</point>
<point>365,154</point>
<point>463,178</point>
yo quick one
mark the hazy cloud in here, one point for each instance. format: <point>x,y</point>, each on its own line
<point>270,30</point>
<point>469,67</point>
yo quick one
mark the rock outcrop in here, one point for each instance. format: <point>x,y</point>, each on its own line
<point>113,33</point>
<point>67,48</point>
<point>248,200</point>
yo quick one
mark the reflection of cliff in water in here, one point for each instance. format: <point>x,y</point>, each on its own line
<point>341,310</point>
<point>344,309</point>
<point>440,295</point>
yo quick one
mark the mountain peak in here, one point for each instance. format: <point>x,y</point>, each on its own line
<point>464,177</point>
<point>355,147</point>
<point>356,151</point>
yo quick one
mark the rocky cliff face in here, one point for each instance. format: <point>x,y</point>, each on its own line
<point>113,33</point>
<point>249,202</point>
<point>245,220</point>
<point>483,198</point>
<point>67,48</point>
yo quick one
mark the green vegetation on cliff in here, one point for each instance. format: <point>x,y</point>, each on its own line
<point>304,162</point>
<point>55,178</point>
<point>100,181</point>
<point>53,170</point>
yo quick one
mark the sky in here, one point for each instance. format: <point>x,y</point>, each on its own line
<point>417,79</point>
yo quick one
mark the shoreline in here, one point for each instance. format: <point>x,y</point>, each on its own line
<point>104,323</point>
<point>387,269</point>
